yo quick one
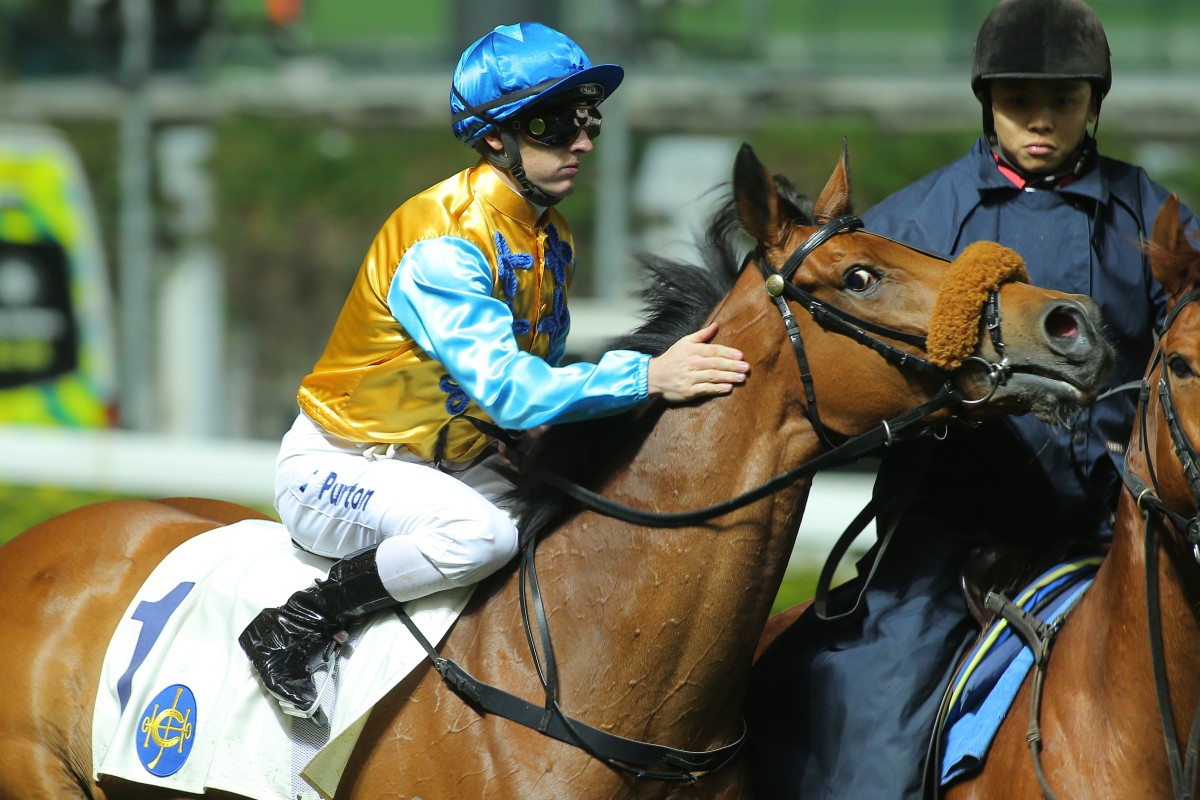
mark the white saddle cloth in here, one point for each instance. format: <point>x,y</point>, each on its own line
<point>178,704</point>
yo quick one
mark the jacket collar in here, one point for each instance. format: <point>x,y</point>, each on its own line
<point>491,188</point>
<point>988,177</point>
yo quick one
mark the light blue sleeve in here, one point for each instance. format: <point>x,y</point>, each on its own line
<point>442,295</point>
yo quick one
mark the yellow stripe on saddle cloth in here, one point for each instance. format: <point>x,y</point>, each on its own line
<point>991,675</point>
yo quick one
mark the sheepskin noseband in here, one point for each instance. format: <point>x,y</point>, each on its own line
<point>954,325</point>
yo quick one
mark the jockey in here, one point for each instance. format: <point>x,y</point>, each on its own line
<point>847,712</point>
<point>458,311</point>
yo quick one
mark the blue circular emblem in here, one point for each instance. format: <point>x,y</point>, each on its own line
<point>166,734</point>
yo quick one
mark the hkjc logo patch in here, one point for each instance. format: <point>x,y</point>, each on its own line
<point>168,724</point>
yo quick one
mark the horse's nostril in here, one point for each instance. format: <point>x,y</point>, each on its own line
<point>1062,325</point>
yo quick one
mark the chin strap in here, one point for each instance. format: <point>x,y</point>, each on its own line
<point>510,162</point>
<point>1046,182</point>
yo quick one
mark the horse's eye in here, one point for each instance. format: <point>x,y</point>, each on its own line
<point>859,279</point>
<point>1180,368</point>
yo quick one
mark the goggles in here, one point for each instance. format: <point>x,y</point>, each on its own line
<point>558,127</point>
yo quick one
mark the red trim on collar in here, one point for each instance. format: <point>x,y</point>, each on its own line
<point>1021,183</point>
<point>1013,177</point>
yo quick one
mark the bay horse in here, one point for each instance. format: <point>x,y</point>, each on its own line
<point>654,629</point>
<point>1118,706</point>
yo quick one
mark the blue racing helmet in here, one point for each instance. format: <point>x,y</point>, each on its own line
<point>518,66</point>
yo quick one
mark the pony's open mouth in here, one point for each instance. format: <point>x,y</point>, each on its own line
<point>1063,386</point>
<point>1050,395</point>
<point>1052,398</point>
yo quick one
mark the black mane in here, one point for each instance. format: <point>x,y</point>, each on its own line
<point>677,299</point>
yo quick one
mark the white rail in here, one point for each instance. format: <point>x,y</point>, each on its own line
<point>242,471</point>
<point>136,463</point>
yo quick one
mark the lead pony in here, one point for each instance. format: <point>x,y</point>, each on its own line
<point>1118,711</point>
<point>653,630</point>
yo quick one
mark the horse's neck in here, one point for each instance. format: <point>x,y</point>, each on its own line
<point>1118,628</point>
<point>701,456</point>
<point>713,451</point>
<point>669,617</point>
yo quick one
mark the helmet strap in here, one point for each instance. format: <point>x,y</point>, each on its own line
<point>510,161</point>
<point>1086,148</point>
<point>984,97</point>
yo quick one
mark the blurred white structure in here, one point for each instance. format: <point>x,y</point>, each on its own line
<point>150,465</point>
<point>675,190</point>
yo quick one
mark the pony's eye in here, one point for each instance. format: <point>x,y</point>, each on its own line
<point>1180,368</point>
<point>859,279</point>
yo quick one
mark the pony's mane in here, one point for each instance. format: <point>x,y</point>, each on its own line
<point>1185,262</point>
<point>677,299</point>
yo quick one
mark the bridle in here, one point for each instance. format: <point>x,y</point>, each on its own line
<point>1189,460</point>
<point>779,286</point>
<point>1155,510</point>
<point>647,760</point>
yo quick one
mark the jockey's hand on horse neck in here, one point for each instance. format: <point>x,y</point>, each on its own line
<point>692,367</point>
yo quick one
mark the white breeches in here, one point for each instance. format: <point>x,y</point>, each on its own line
<point>435,530</point>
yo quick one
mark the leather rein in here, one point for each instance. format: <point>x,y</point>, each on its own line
<point>659,762</point>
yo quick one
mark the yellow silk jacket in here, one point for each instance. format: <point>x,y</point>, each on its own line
<point>374,383</point>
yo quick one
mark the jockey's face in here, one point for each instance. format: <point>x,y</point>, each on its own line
<point>1040,124</point>
<point>552,168</point>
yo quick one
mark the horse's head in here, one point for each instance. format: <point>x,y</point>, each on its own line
<point>1163,452</point>
<point>1005,346</point>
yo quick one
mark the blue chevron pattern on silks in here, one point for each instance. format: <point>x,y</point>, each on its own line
<point>558,261</point>
<point>456,398</point>
<point>507,264</point>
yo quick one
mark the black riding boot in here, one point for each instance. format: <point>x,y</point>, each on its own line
<point>288,643</point>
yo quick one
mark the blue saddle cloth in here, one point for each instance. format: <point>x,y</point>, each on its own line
<point>990,677</point>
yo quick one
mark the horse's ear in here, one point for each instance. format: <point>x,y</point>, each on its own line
<point>835,197</point>
<point>756,196</point>
<point>1168,239</point>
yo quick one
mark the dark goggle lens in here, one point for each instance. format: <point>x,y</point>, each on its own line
<point>559,128</point>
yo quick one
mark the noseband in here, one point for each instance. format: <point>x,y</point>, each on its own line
<point>780,287</point>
